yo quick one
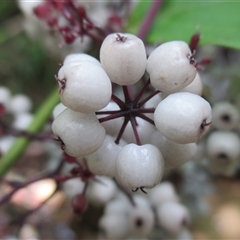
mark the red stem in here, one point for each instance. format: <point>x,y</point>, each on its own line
<point>148,20</point>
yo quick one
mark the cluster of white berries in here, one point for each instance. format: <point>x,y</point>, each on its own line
<point>181,118</point>
<point>159,212</point>
<point>222,143</point>
<point>17,109</point>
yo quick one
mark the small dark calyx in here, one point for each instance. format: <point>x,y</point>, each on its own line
<point>121,38</point>
<point>223,157</point>
<point>204,124</point>
<point>141,188</point>
<point>185,222</point>
<point>226,118</point>
<point>139,222</point>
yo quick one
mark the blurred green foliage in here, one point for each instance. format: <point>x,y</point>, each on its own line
<point>218,22</point>
<point>25,64</point>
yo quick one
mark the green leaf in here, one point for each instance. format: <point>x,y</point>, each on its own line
<point>218,22</point>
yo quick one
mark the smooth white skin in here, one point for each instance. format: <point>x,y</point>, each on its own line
<point>79,57</point>
<point>227,144</point>
<point>144,129</point>
<point>169,67</point>
<point>180,115</point>
<point>117,206</point>
<point>103,161</point>
<point>141,221</point>
<point>113,226</point>
<point>81,133</point>
<point>195,87</point>
<point>141,201</point>
<point>152,103</point>
<point>22,121</point>
<point>6,143</point>
<point>163,192</point>
<point>125,62</point>
<point>73,187</point>
<point>112,126</point>
<point>174,154</point>
<point>5,96</point>
<point>58,109</point>
<point>139,166</point>
<point>225,116</point>
<point>20,103</point>
<point>101,191</point>
<point>88,88</point>
<point>173,217</point>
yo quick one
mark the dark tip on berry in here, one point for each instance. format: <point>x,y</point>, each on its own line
<point>121,38</point>
<point>223,157</point>
<point>226,118</point>
<point>139,222</point>
<point>204,124</point>
<point>185,222</point>
<point>63,147</point>
<point>191,58</point>
<point>142,189</point>
<point>134,190</point>
<point>62,83</point>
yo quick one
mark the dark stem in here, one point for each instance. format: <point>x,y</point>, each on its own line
<point>51,174</point>
<point>142,91</point>
<point>148,20</point>
<point>118,101</point>
<point>134,127</point>
<point>107,112</point>
<point>113,116</point>
<point>127,93</point>
<point>140,104</point>
<point>144,117</point>
<point>144,110</point>
<point>126,120</point>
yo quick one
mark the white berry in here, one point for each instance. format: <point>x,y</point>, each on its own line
<point>139,166</point>
<point>173,217</point>
<point>225,116</point>
<point>123,56</point>
<point>183,117</point>
<point>81,133</point>
<point>85,88</point>
<point>169,66</point>
<point>174,154</point>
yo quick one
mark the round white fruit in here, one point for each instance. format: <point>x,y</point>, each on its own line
<point>174,154</point>
<point>141,221</point>
<point>223,152</point>
<point>85,88</point>
<point>163,192</point>
<point>225,116</point>
<point>113,226</point>
<point>173,217</point>
<point>170,67</point>
<point>139,166</point>
<point>81,133</point>
<point>123,56</point>
<point>103,161</point>
<point>79,57</point>
<point>101,191</point>
<point>183,117</point>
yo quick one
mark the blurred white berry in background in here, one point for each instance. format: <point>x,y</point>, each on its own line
<point>223,152</point>
<point>225,116</point>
